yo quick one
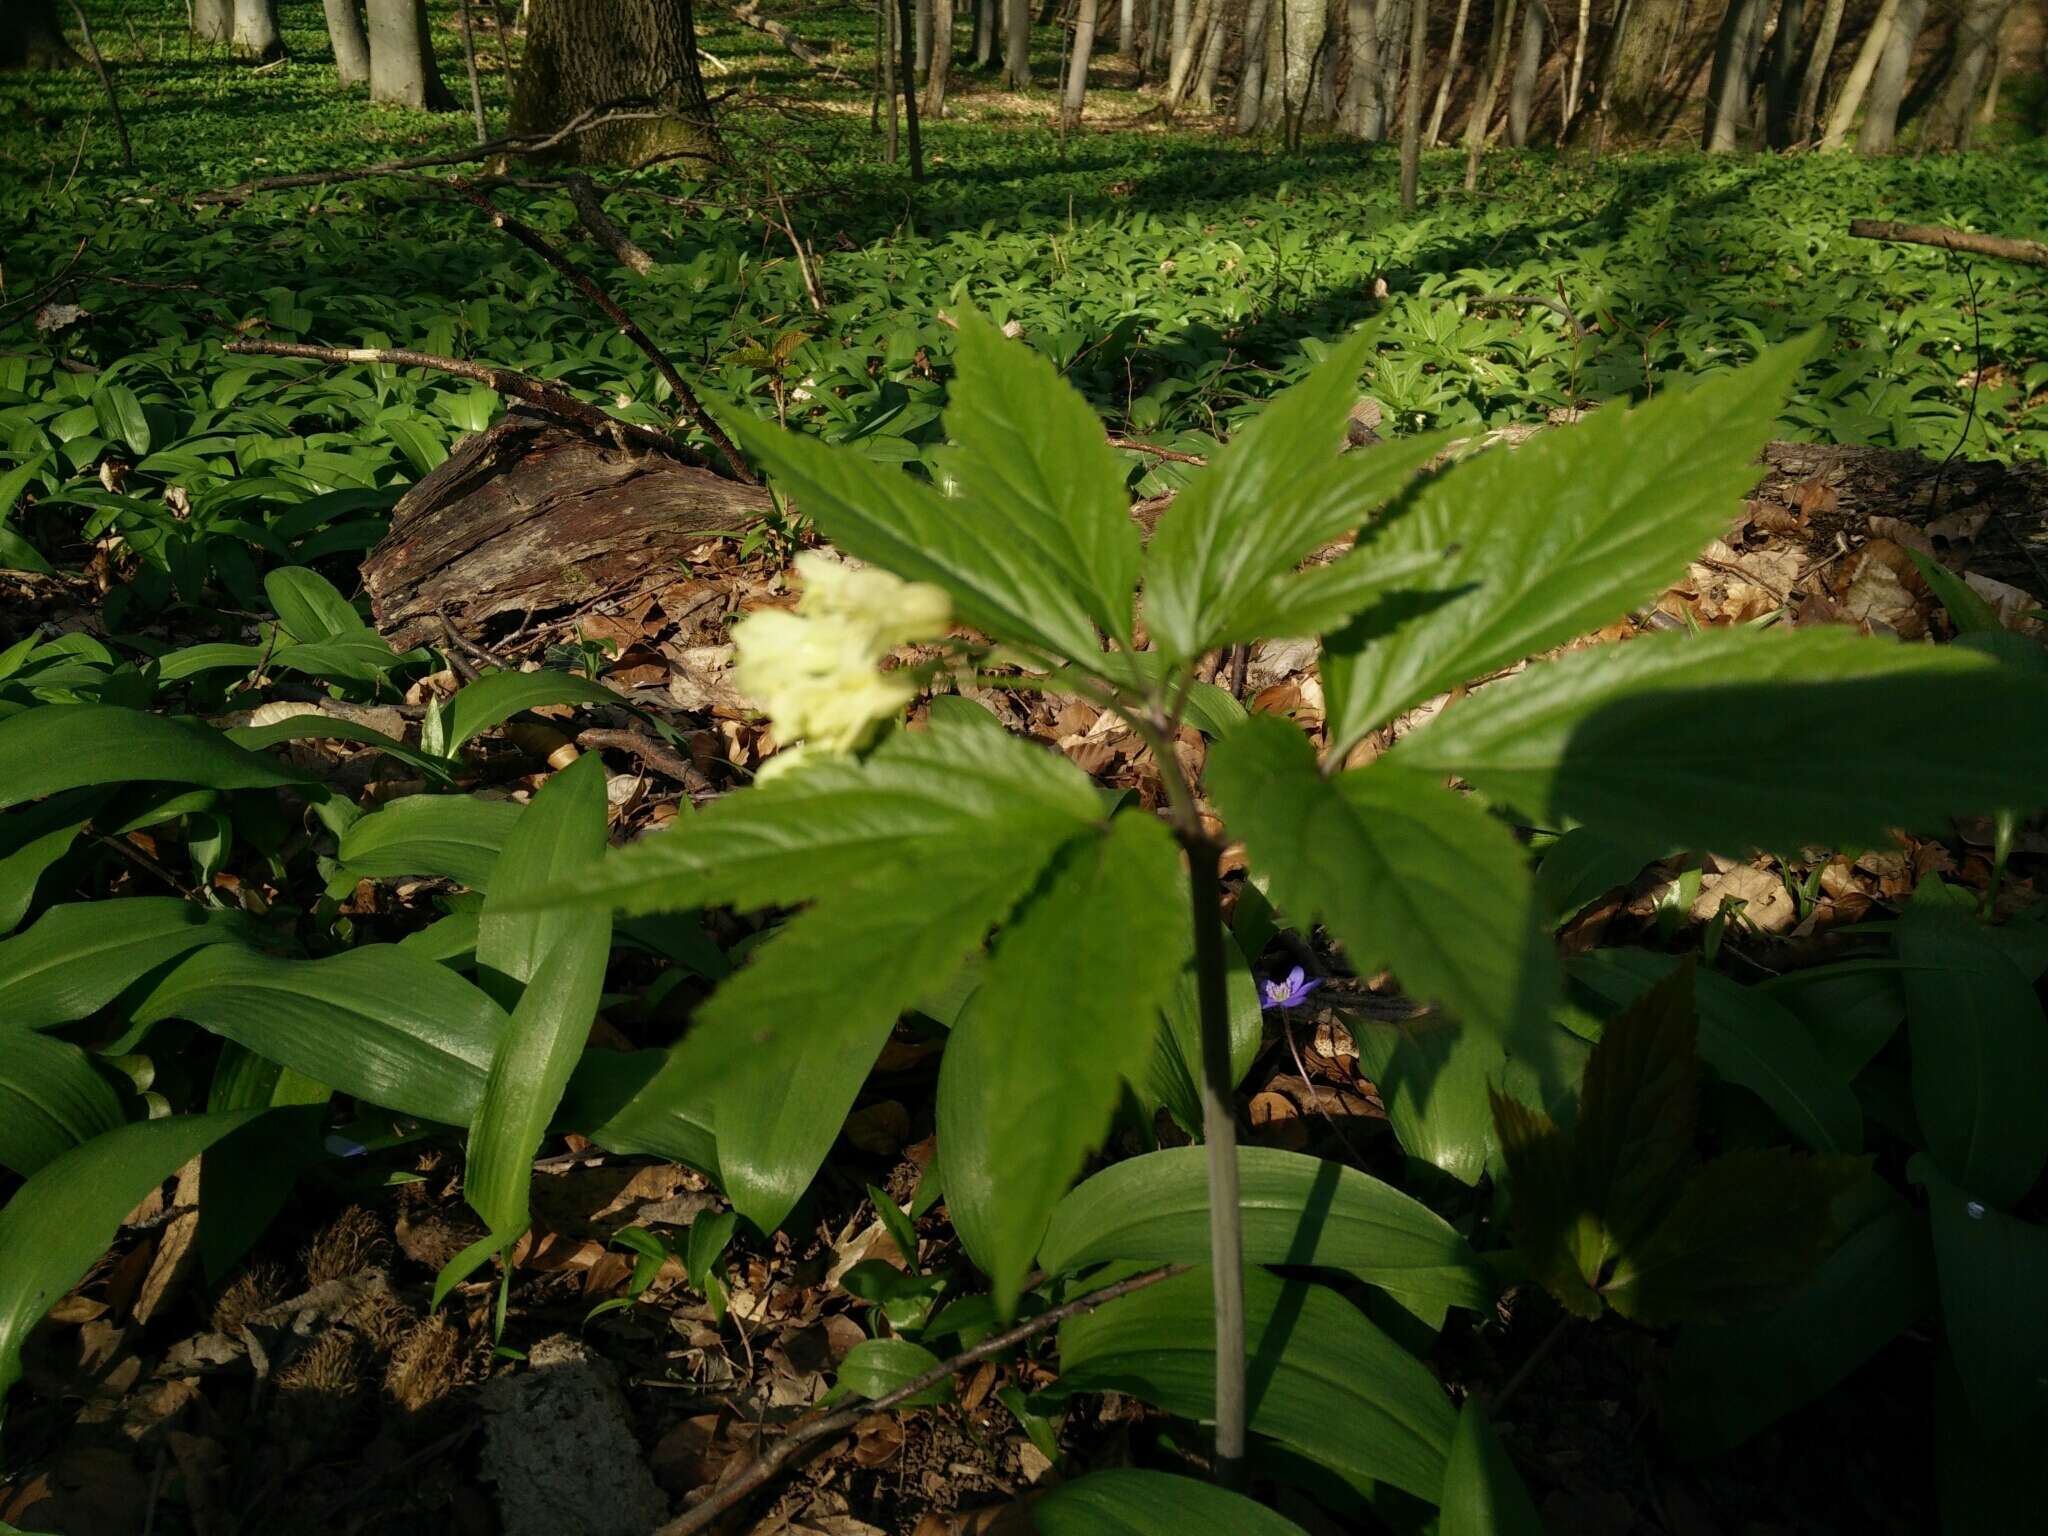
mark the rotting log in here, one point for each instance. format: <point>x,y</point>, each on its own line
<point>533,518</point>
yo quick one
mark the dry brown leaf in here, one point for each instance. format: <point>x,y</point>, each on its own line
<point>1766,902</point>
<point>1878,596</point>
<point>2012,603</point>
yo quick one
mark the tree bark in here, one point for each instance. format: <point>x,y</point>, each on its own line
<point>908,64</point>
<point>213,21</point>
<point>256,34</point>
<point>1781,98</point>
<point>1880,130</point>
<point>1977,48</point>
<point>1411,104</point>
<point>1843,113</point>
<point>922,13</point>
<point>1359,112</point>
<point>1187,51</point>
<point>1077,64</point>
<point>31,37</point>
<point>1251,74</point>
<point>940,68</point>
<point>1443,88</point>
<point>350,42</point>
<point>1212,63</point>
<point>1529,45</point>
<point>1637,69</point>
<point>1017,43</point>
<point>1294,41</point>
<point>402,68</point>
<point>1728,89</point>
<point>2033,253</point>
<point>2001,65</point>
<point>1568,101</point>
<point>1127,30</point>
<point>1817,71</point>
<point>583,55</point>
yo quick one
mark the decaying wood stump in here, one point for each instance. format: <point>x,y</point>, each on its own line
<point>533,518</point>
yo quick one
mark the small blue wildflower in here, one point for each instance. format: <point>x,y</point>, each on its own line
<point>1290,991</point>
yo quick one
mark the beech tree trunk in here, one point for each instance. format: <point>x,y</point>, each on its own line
<point>2001,65</point>
<point>1127,30</point>
<point>1017,43</point>
<point>1294,39</point>
<point>940,67</point>
<point>1880,131</point>
<point>1187,50</point>
<point>256,35</point>
<point>1443,87</point>
<point>583,54</point>
<point>1781,91</point>
<point>350,42</point>
<point>213,21</point>
<point>1358,111</point>
<point>1411,104</point>
<point>402,68</point>
<point>1251,74</point>
<point>1077,64</point>
<point>1817,71</point>
<point>1528,68</point>
<point>31,37</point>
<point>1568,101</point>
<point>1728,89</point>
<point>1843,113</point>
<point>921,11</point>
<point>1212,63</point>
<point>1637,52</point>
<point>984,33</point>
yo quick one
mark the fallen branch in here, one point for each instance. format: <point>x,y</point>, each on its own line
<point>92,50</point>
<point>2032,253</point>
<point>506,381</point>
<point>749,15</point>
<point>805,1432</point>
<point>656,754</point>
<point>590,210</point>
<point>686,398</point>
<point>1169,455</point>
<point>520,144</point>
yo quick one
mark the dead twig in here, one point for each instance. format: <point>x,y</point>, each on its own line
<point>2031,253</point>
<point>655,753</point>
<point>1562,309</point>
<point>590,210</point>
<point>1170,455</point>
<point>506,381</point>
<point>806,1432</point>
<point>92,51</point>
<point>686,398</point>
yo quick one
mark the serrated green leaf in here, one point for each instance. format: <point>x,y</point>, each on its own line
<point>64,1217</point>
<point>1126,1501</point>
<point>1297,1210</point>
<point>1033,450</point>
<point>1555,538</point>
<point>1066,1012</point>
<point>56,747</point>
<point>996,575</point>
<point>1323,1380</point>
<point>1659,739</point>
<point>1407,874</point>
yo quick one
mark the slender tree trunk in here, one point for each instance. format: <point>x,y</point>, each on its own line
<point>1411,104</point>
<point>1817,71</point>
<point>885,12</point>
<point>583,54</point>
<point>984,33</point>
<point>1156,12</point>
<point>1127,30</point>
<point>402,68</point>
<point>31,37</point>
<point>1568,103</point>
<point>1781,101</point>
<point>1077,64</point>
<point>939,69</point>
<point>1496,68</point>
<point>351,43</point>
<point>1183,12</point>
<point>907,60</point>
<point>1017,43</point>
<point>1391,26</point>
<point>1880,130</point>
<point>1187,50</point>
<point>1975,54</point>
<point>213,21</point>
<point>1728,89</point>
<point>476,90</point>
<point>1843,114</point>
<point>1443,88</point>
<point>1251,74</point>
<point>921,12</point>
<point>1358,112</point>
<point>1529,49</point>
<point>1212,63</point>
<point>2001,66</point>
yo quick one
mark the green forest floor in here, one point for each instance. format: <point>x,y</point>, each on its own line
<point>1180,277</point>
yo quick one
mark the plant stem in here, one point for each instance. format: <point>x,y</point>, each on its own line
<point>1219,1132</point>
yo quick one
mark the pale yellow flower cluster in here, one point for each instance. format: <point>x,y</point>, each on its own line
<point>814,671</point>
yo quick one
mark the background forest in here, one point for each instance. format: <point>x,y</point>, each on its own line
<point>1088,767</point>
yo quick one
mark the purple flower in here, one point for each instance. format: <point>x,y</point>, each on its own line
<point>1290,991</point>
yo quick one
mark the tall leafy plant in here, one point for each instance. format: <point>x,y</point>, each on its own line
<point>905,858</point>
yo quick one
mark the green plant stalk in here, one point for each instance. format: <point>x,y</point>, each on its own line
<point>1219,1120</point>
